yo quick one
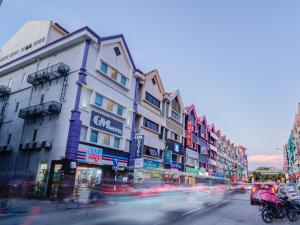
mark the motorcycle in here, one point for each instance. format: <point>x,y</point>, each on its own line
<point>293,208</point>
<point>275,207</point>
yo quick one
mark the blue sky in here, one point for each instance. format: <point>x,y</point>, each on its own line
<point>237,61</point>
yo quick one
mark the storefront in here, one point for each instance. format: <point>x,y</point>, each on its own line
<point>93,166</point>
<point>192,164</point>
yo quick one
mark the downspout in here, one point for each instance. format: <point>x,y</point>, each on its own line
<point>75,122</point>
<point>132,148</point>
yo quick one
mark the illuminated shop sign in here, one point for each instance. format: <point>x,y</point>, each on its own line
<point>189,133</point>
<point>151,164</point>
<point>139,146</point>
<point>88,153</point>
<point>105,123</point>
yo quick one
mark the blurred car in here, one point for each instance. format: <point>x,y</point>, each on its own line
<point>237,187</point>
<point>256,188</point>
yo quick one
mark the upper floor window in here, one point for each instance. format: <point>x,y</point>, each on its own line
<point>104,67</point>
<point>99,100</point>
<point>151,125</point>
<point>113,74</point>
<point>175,115</point>
<point>123,80</point>
<point>120,110</point>
<point>94,136</point>
<point>109,105</point>
<point>152,100</point>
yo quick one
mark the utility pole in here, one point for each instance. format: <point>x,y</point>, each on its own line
<point>1,1</point>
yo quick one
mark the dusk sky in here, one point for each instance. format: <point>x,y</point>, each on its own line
<point>237,61</point>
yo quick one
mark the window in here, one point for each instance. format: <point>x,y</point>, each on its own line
<point>94,136</point>
<point>123,80</point>
<point>105,139</point>
<point>161,134</point>
<point>114,74</point>
<point>152,100</point>
<point>42,99</point>
<point>153,81</point>
<point>83,133</point>
<point>103,67</point>
<point>129,118</point>
<point>109,105</point>
<point>98,100</point>
<point>174,136</point>
<point>120,110</point>
<point>117,51</point>
<point>117,142</point>
<point>151,125</point>
<point>17,107</point>
<point>151,151</point>
<point>34,135</point>
<point>8,139</point>
<point>175,115</point>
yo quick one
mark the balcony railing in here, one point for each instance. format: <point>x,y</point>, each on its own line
<point>41,110</point>
<point>4,91</point>
<point>48,74</point>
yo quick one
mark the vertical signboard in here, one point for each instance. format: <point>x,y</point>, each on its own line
<point>139,146</point>
<point>189,134</point>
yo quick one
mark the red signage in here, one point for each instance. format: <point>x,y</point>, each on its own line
<point>189,134</point>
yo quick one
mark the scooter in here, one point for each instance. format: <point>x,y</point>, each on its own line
<point>271,210</point>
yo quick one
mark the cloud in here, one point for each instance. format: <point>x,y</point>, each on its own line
<point>265,160</point>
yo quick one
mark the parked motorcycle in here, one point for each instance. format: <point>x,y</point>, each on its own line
<point>293,208</point>
<point>276,207</point>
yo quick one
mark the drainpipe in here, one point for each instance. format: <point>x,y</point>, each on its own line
<point>75,122</point>
<point>132,148</point>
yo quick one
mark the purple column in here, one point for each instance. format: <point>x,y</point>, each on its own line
<point>132,149</point>
<point>75,122</point>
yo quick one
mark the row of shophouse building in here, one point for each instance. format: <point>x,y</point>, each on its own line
<point>75,109</point>
<point>291,151</point>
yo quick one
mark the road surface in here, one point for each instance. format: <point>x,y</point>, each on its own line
<point>176,209</point>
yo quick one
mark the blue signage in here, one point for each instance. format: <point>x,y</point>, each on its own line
<point>150,164</point>
<point>139,146</point>
<point>176,165</point>
<point>106,124</point>
<point>115,162</point>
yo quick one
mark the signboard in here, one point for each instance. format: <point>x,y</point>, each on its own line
<point>92,153</point>
<point>139,146</point>
<point>191,162</point>
<point>151,164</point>
<point>86,153</point>
<point>189,134</point>
<point>192,170</point>
<point>139,163</point>
<point>106,124</point>
<point>191,153</point>
<point>174,146</point>
<point>176,165</point>
<point>168,157</point>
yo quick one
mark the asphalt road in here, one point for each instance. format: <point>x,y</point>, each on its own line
<point>177,209</point>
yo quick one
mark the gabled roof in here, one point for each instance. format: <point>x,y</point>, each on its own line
<point>211,127</point>
<point>120,36</point>
<point>155,73</point>
<point>173,95</point>
<point>191,109</point>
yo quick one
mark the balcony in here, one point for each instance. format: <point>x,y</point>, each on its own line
<point>48,74</point>
<point>4,91</point>
<point>41,110</point>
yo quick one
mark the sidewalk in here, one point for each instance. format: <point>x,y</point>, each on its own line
<point>21,207</point>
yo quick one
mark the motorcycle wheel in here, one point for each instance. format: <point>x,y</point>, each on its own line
<point>267,215</point>
<point>292,215</point>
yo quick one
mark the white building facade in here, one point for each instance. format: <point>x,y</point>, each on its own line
<point>66,107</point>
